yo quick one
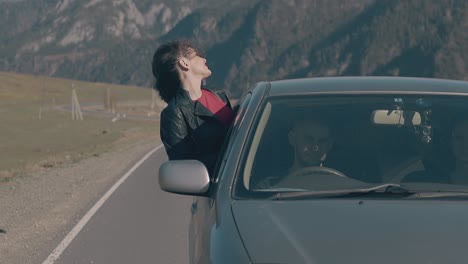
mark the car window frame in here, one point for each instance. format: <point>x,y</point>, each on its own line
<point>240,109</point>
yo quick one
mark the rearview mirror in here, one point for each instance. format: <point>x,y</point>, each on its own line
<point>396,117</point>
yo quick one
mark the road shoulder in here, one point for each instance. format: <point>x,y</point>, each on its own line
<point>39,208</point>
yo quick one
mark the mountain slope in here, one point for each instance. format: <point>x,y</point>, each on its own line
<point>244,41</point>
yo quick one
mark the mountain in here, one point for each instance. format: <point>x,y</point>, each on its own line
<point>93,40</point>
<point>245,41</point>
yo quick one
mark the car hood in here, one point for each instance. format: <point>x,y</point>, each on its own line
<point>353,231</point>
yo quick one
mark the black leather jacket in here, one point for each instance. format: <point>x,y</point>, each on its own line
<point>190,131</point>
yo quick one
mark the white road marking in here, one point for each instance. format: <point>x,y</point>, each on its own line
<point>74,232</point>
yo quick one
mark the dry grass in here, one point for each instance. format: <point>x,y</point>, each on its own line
<point>37,127</point>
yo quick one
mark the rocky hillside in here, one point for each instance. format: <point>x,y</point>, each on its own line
<point>245,41</point>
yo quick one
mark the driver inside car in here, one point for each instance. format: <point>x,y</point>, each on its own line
<point>314,161</point>
<point>311,141</point>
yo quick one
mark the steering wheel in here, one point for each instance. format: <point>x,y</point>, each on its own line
<point>318,170</point>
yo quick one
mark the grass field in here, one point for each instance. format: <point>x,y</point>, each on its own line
<point>37,127</point>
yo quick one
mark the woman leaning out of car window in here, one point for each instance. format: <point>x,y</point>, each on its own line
<point>196,119</point>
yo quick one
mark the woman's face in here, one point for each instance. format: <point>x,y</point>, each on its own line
<point>197,65</point>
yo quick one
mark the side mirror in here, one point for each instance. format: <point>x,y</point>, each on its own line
<point>396,117</point>
<point>189,177</point>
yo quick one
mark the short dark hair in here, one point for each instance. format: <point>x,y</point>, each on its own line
<point>164,67</point>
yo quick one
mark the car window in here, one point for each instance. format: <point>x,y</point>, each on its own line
<point>346,142</point>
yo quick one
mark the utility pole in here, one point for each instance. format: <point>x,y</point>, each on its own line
<point>76,109</point>
<point>108,99</point>
<point>42,99</point>
<point>153,99</point>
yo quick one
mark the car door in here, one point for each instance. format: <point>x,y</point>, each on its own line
<point>203,215</point>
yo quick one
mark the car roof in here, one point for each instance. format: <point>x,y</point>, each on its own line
<point>366,85</point>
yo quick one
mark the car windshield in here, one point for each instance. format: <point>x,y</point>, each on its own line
<point>418,143</point>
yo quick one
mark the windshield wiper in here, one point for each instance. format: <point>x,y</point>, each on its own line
<point>281,190</point>
<point>388,188</point>
<point>438,194</point>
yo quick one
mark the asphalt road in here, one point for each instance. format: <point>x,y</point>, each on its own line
<point>138,223</point>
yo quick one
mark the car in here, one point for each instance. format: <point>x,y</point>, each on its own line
<point>335,170</point>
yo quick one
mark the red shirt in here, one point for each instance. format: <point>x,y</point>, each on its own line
<point>216,106</point>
